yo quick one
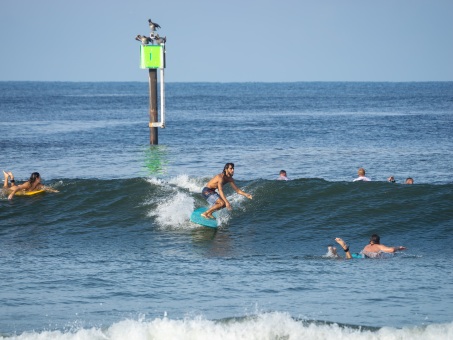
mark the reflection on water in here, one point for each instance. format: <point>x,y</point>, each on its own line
<point>156,159</point>
<point>212,242</point>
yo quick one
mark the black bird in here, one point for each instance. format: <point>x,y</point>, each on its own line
<point>153,26</point>
<point>143,39</point>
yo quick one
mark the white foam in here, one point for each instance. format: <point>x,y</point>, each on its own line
<point>331,252</point>
<point>157,181</point>
<point>194,185</point>
<point>173,209</point>
<point>263,326</point>
<point>174,212</point>
<point>186,182</point>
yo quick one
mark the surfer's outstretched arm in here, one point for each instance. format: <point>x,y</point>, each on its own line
<point>14,190</point>
<point>48,189</point>
<point>386,249</point>
<point>344,246</point>
<point>239,191</point>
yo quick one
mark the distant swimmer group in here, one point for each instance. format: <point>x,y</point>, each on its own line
<point>362,178</point>
<point>408,180</point>
<point>33,184</point>
<point>361,173</point>
<point>217,199</point>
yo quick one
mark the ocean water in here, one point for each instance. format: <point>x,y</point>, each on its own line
<point>113,255</point>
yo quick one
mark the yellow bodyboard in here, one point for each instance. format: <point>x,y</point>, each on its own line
<point>29,193</point>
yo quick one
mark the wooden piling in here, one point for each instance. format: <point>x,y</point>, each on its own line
<point>153,114</point>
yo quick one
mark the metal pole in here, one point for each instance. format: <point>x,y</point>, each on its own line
<point>153,138</point>
<point>162,99</point>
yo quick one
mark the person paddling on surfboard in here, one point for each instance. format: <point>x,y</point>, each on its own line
<point>34,183</point>
<point>217,200</point>
<point>373,249</point>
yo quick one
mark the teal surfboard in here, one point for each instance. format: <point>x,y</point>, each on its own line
<point>198,219</point>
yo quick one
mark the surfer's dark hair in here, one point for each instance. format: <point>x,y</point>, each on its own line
<point>34,176</point>
<point>375,239</point>
<point>227,166</point>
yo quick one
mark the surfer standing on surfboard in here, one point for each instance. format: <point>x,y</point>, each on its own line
<point>217,200</point>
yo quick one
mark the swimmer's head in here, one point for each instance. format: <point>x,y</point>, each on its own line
<point>375,239</point>
<point>228,166</point>
<point>34,177</point>
<point>361,172</point>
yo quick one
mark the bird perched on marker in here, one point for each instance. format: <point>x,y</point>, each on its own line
<point>153,26</point>
<point>159,39</point>
<point>143,39</point>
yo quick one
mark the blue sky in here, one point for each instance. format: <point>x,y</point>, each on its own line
<point>229,41</point>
